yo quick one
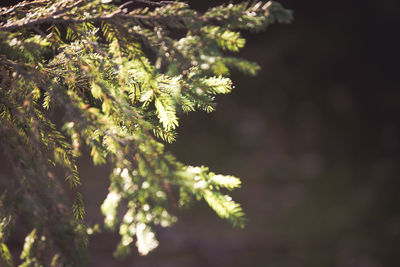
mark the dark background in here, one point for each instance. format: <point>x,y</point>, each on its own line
<point>314,138</point>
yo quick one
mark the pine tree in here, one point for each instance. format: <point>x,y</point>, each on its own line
<point>114,79</point>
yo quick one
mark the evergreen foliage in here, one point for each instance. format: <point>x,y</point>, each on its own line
<point>89,74</point>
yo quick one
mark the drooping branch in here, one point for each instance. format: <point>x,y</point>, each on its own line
<point>60,16</point>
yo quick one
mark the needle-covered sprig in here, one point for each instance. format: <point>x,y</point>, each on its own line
<point>89,75</point>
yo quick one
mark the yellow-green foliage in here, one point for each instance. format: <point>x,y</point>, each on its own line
<point>114,80</point>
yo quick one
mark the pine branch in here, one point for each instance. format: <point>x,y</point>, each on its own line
<point>95,65</point>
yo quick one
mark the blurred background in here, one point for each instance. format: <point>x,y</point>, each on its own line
<point>314,138</point>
